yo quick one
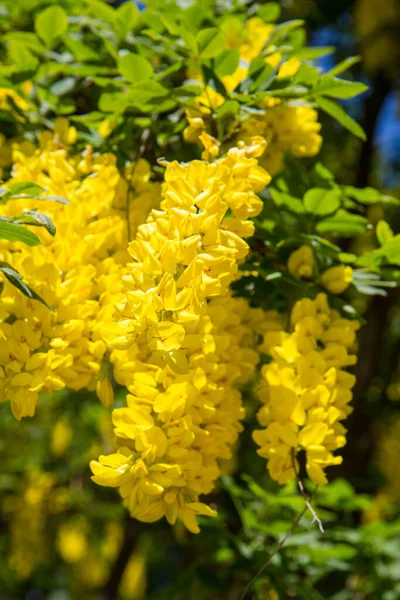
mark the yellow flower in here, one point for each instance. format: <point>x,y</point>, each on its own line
<point>337,279</point>
<point>105,391</point>
<point>301,262</point>
<point>307,392</point>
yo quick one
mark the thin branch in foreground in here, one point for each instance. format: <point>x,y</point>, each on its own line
<point>277,549</point>
<point>315,517</point>
<point>279,546</point>
<point>307,499</point>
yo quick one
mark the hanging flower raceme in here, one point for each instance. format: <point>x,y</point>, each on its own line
<point>308,391</point>
<point>179,348</point>
<point>77,272</point>
<point>187,252</point>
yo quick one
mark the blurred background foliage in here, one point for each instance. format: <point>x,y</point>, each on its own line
<point>62,539</point>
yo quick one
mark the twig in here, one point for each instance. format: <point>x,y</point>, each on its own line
<point>279,546</point>
<point>315,517</point>
<point>271,556</point>
<point>307,499</point>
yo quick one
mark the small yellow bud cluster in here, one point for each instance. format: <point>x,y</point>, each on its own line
<point>279,127</point>
<point>308,391</point>
<point>337,279</point>
<point>301,262</point>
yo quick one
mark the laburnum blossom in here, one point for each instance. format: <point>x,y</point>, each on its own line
<point>176,427</point>
<point>187,251</point>
<point>308,391</point>
<point>77,272</point>
<point>182,344</point>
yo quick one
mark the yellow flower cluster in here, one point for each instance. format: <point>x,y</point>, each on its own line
<point>308,391</point>
<point>281,126</point>
<point>77,272</point>
<point>179,348</point>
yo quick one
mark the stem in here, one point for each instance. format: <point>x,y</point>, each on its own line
<point>283,541</point>
<point>307,499</point>
<point>277,549</point>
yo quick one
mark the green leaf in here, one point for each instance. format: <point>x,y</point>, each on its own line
<point>391,250</point>
<point>16,233</point>
<point>127,17</point>
<point>150,96</point>
<point>50,24</point>
<point>227,62</point>
<point>31,217</point>
<point>81,51</point>
<point>171,25</point>
<point>321,202</point>
<point>338,88</point>
<point>383,232</point>
<point>21,55</point>
<point>343,224</point>
<point>323,172</point>
<point>231,107</point>
<point>115,102</point>
<point>100,10</point>
<point>135,67</point>
<point>260,76</point>
<point>282,30</point>
<point>190,40</point>
<point>26,39</point>
<point>16,280</point>
<point>369,195</point>
<point>27,188</point>
<point>290,202</point>
<point>210,42</point>
<point>344,65</point>
<point>307,74</point>
<point>312,53</point>
<point>269,12</point>
<point>338,113</point>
